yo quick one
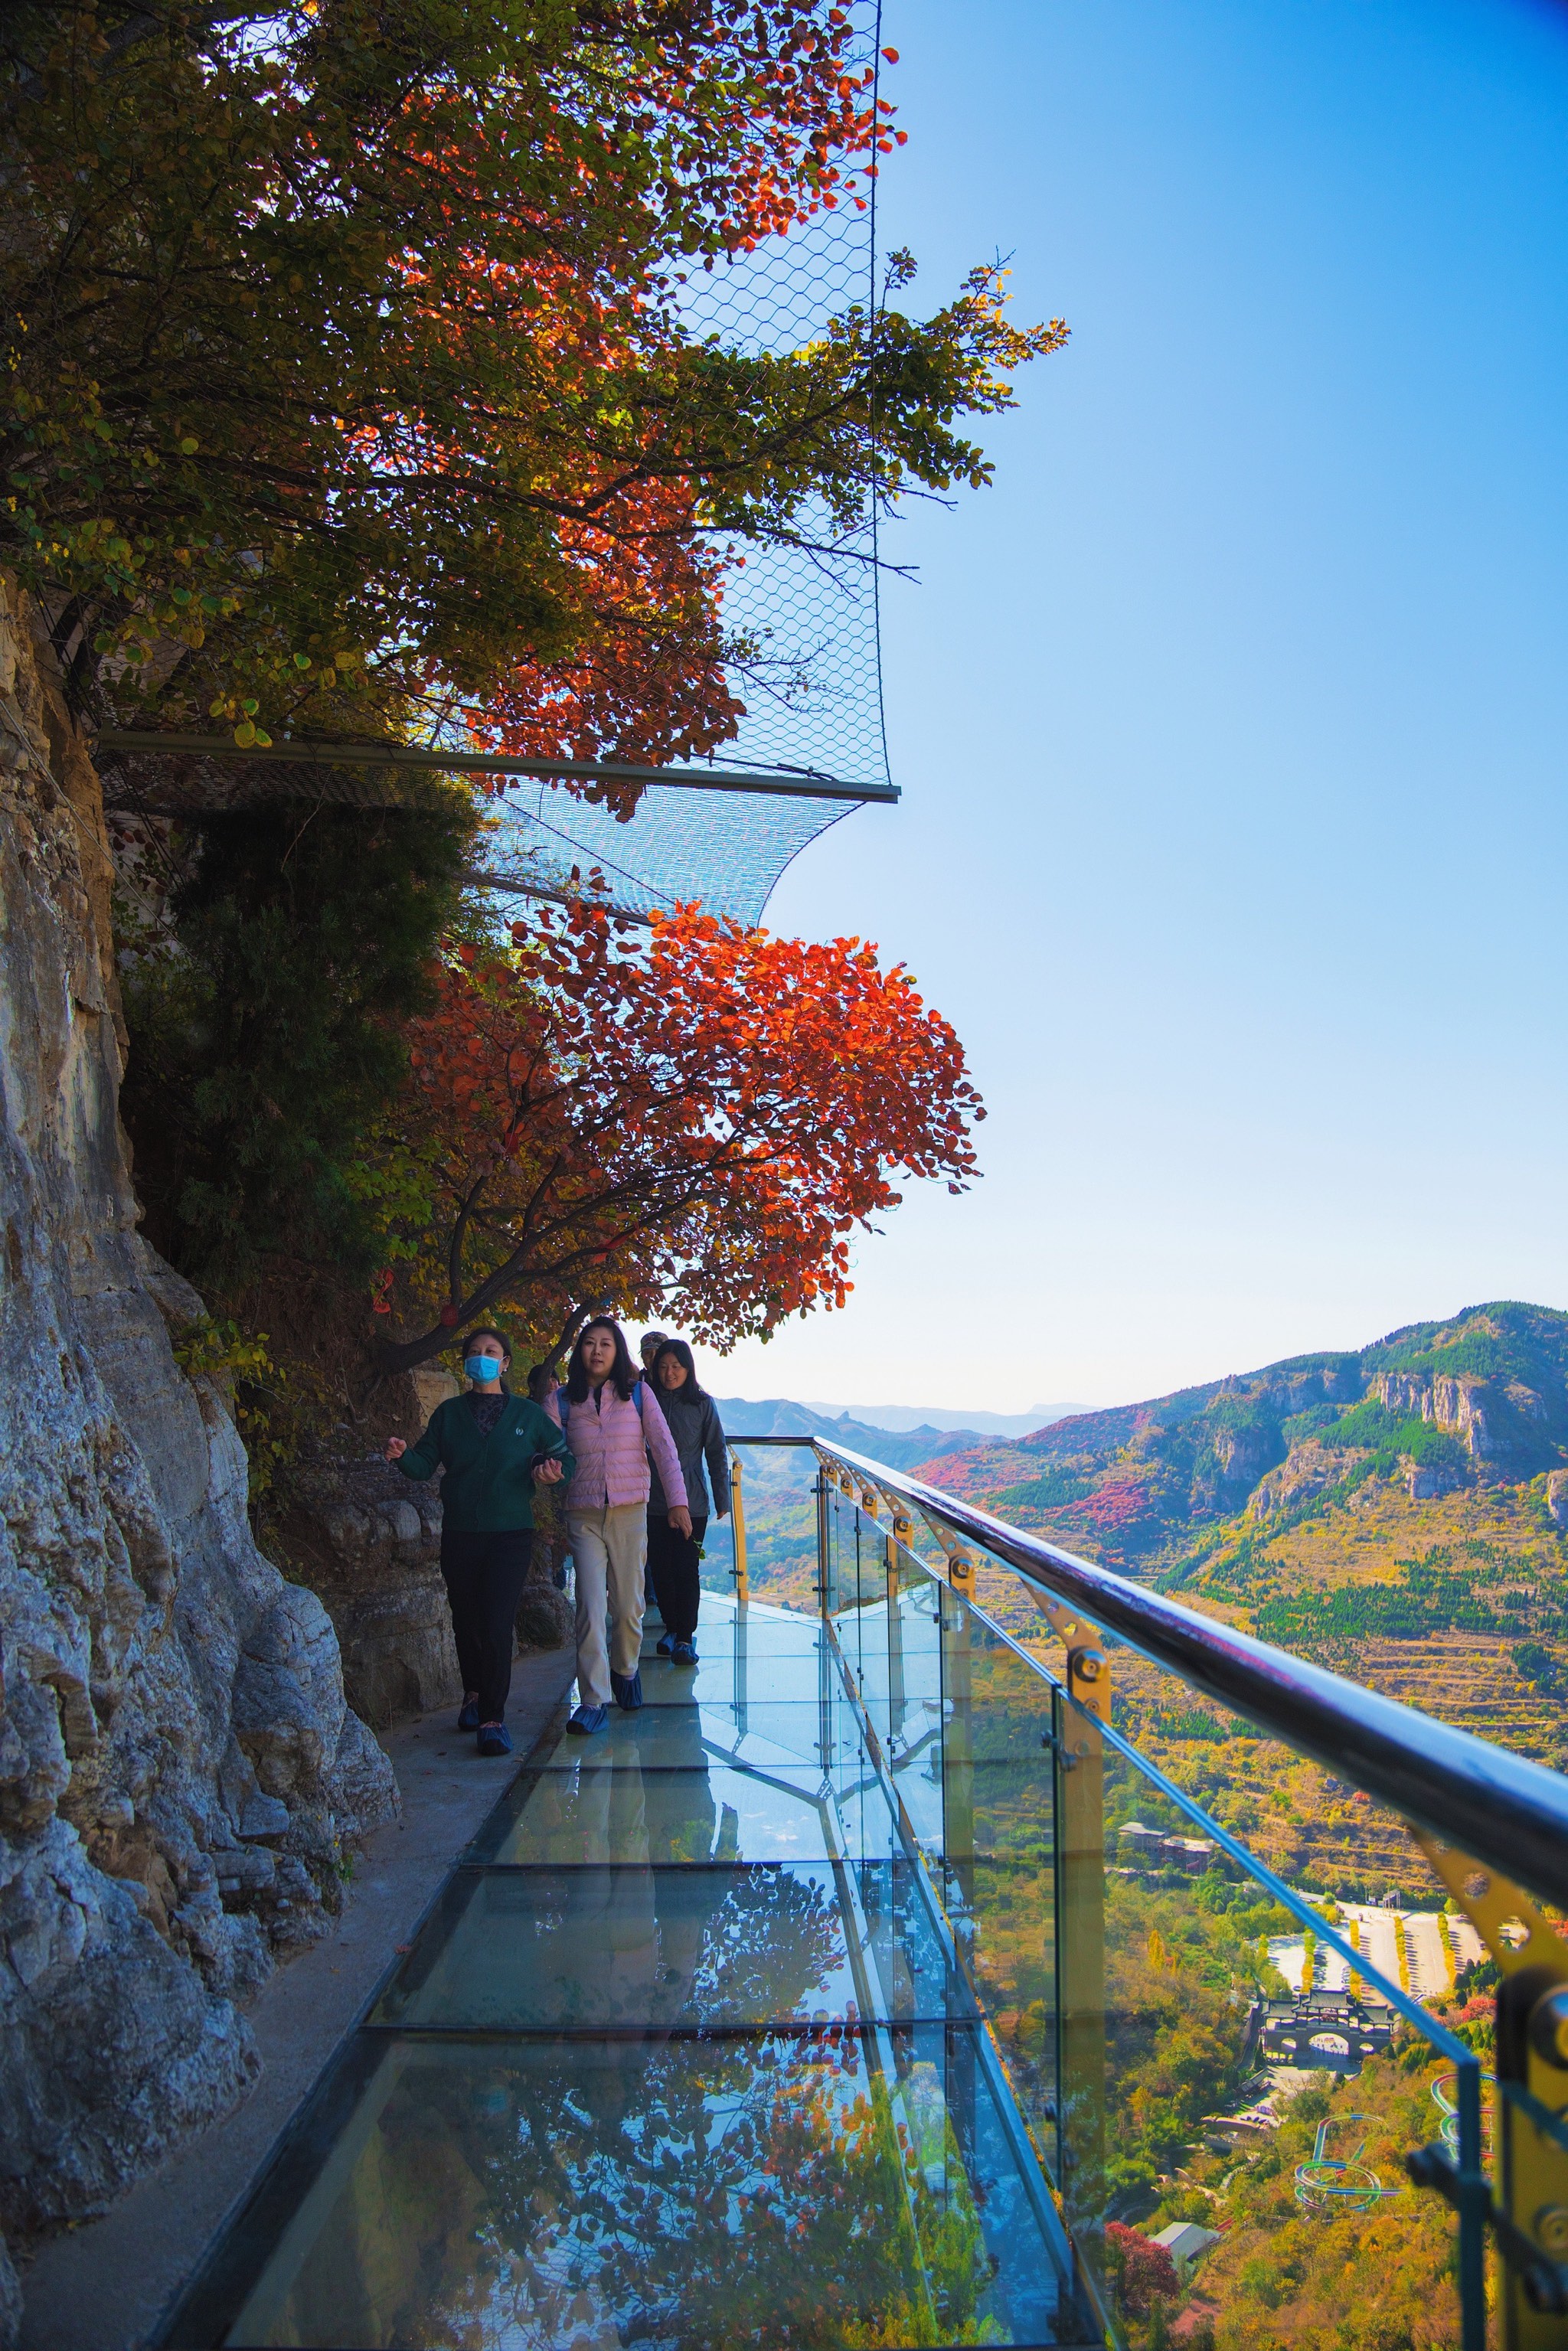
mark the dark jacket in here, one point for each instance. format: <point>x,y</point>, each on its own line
<point>694,1425</point>
<point>488,1485</point>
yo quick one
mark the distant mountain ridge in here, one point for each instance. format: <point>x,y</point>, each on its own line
<point>901,1417</point>
<point>779,1416</point>
<point>1480,1398</point>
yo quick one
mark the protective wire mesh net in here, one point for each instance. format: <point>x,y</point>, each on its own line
<point>726,849</point>
<point>811,683</point>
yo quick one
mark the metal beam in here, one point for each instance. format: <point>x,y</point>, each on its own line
<point>315,751</point>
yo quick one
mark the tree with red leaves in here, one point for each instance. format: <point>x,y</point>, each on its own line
<point>691,1120</point>
<point>1143,2272</point>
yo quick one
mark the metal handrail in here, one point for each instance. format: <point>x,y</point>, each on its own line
<point>1503,1809</point>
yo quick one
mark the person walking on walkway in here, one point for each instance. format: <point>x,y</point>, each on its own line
<point>490,1446</point>
<point>672,1562</point>
<point>612,1426</point>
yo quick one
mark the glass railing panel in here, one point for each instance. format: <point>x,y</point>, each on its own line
<point>998,1851</point>
<point>859,1575</point>
<point>901,1690</point>
<point>1131,1971</point>
<point>1270,2116</point>
<point>777,1484</point>
<point>816,2189</point>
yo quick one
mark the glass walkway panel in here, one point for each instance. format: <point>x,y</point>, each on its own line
<point>875,1986</point>
<point>682,2054</point>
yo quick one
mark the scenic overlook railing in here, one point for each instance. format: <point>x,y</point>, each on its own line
<point>1162,2002</point>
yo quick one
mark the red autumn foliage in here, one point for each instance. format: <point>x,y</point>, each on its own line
<point>1144,2271</point>
<point>692,1120</point>
<point>1116,1504</point>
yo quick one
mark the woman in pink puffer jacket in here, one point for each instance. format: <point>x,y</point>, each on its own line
<point>612,1426</point>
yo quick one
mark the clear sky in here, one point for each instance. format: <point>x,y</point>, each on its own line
<point>1232,722</point>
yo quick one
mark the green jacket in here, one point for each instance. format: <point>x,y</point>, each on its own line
<point>489,1487</point>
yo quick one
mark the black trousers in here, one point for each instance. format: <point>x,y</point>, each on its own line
<point>484,1578</point>
<point>676,1574</point>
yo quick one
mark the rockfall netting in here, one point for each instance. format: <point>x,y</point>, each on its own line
<point>813,684</point>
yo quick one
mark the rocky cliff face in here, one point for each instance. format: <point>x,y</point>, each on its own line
<point>179,1771</point>
<point>1498,1420</point>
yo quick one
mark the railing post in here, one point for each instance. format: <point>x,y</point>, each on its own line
<point>897,1699</point>
<point>824,1543</point>
<point>1080,1947</point>
<point>958,1739</point>
<point>738,1514</point>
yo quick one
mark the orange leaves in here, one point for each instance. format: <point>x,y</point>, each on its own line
<point>697,1116</point>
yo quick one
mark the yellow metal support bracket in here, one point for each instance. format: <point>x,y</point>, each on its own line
<point>1531,2225</point>
<point>960,1562</point>
<point>737,1520</point>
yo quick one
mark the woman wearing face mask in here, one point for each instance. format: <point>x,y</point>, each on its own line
<point>672,1562</point>
<point>490,1446</point>
<point>612,1427</point>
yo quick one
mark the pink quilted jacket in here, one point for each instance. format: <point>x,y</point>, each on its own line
<point>611,1441</point>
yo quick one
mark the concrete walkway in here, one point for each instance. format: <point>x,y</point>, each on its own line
<point>104,2287</point>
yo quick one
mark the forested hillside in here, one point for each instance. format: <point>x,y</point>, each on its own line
<point>1479,1401</point>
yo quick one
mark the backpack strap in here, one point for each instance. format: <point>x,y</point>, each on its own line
<point>637,1397</point>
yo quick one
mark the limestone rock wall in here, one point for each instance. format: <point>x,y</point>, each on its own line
<point>1501,1422</point>
<point>179,1771</point>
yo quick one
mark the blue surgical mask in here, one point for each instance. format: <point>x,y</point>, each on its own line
<point>482,1368</point>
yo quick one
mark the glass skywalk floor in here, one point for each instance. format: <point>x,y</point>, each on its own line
<point>678,2058</point>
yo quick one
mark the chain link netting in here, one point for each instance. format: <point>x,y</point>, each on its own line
<point>811,679</point>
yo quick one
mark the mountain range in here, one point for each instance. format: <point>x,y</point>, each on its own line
<point>938,1416</point>
<point>1480,1400</point>
<point>900,1448</point>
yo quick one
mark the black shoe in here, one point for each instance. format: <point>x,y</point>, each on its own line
<point>628,1689</point>
<point>495,1740</point>
<point>469,1717</point>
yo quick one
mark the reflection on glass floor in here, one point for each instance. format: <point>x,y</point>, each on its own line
<point>678,2058</point>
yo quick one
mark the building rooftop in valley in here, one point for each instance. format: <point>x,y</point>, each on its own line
<point>1185,2241</point>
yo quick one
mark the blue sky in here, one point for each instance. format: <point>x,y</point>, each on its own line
<point>1232,722</point>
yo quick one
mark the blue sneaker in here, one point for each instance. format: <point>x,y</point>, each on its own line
<point>683,1654</point>
<point>628,1689</point>
<point>494,1738</point>
<point>587,1719</point>
<point>469,1717</point>
<point>666,1646</point>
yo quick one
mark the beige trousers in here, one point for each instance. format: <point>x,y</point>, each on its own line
<point>608,1547</point>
